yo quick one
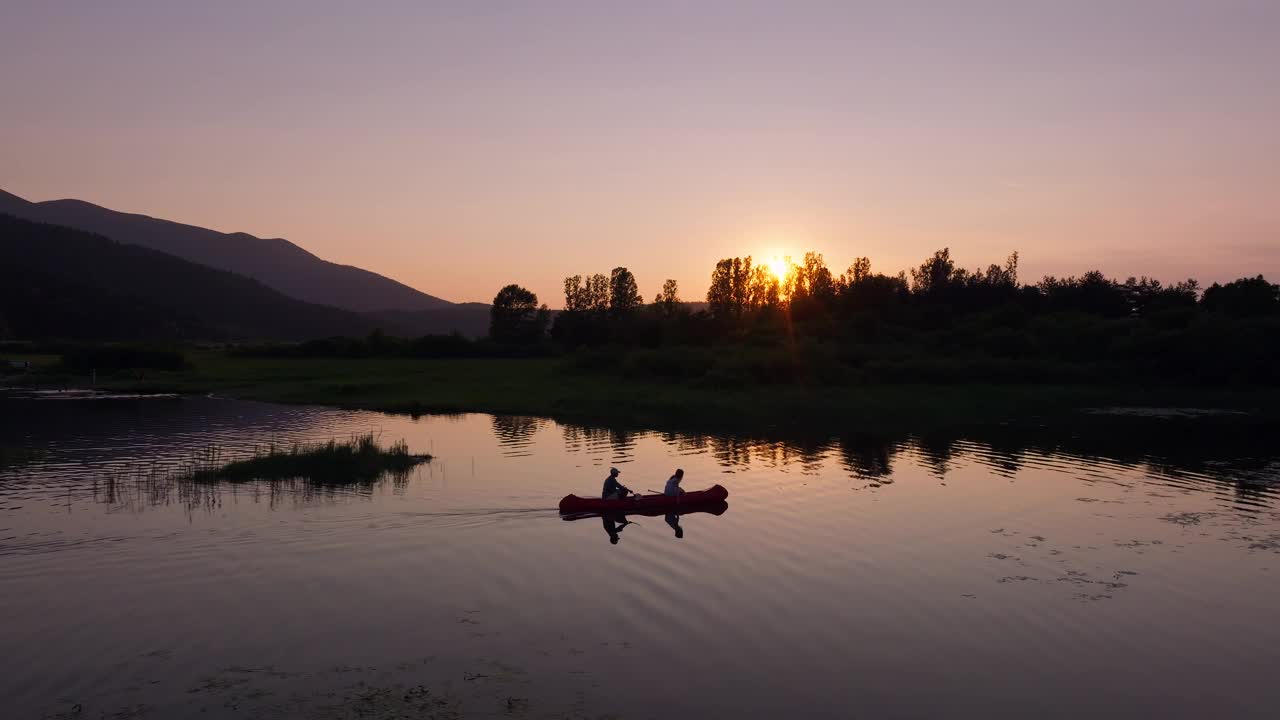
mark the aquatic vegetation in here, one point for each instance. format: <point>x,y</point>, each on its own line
<point>361,459</point>
<point>300,473</point>
<point>14,456</point>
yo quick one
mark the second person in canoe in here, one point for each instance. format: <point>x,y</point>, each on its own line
<point>673,488</point>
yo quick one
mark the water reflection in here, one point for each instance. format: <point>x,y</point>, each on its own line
<point>611,445</point>
<point>615,522</point>
<point>109,436</point>
<point>1238,459</point>
<point>867,457</point>
<point>859,574</point>
<point>135,492</point>
<point>673,519</point>
<point>515,433</point>
<point>1175,452</point>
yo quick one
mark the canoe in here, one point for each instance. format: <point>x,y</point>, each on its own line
<point>575,504</point>
<point>716,507</point>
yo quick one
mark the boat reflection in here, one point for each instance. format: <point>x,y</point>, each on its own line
<point>615,522</point>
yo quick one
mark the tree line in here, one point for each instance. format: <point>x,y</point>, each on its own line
<point>935,321</point>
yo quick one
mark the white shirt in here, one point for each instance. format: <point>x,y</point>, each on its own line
<point>673,486</point>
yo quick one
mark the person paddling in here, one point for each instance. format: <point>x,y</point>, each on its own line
<point>673,488</point>
<point>614,490</point>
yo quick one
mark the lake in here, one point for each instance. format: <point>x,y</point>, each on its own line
<point>1121,567</point>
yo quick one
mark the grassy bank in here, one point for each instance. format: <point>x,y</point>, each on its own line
<point>545,386</point>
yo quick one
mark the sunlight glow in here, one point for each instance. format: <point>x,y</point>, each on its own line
<point>778,266</point>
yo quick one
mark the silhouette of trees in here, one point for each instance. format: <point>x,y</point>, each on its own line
<point>934,275</point>
<point>597,309</point>
<point>516,318</point>
<point>1246,297</point>
<point>730,291</point>
<point>624,293</point>
<point>1092,293</point>
<point>667,302</point>
<point>575,299</point>
<point>937,322</point>
<point>590,296</point>
<point>811,288</point>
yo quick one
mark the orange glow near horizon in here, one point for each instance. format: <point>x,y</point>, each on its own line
<point>458,150</point>
<point>778,266</point>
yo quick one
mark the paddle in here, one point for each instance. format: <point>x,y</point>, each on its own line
<point>676,496</point>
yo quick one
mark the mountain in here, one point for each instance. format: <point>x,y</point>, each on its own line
<point>62,283</point>
<point>277,263</point>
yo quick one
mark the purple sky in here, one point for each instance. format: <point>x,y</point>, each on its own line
<point>461,146</point>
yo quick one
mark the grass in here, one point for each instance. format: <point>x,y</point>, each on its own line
<point>302,472</point>
<point>545,386</point>
<point>362,459</point>
<point>14,456</point>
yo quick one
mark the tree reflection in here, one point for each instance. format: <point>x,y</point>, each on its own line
<point>866,456</point>
<point>1240,457</point>
<point>155,487</point>
<point>613,443</point>
<point>515,433</point>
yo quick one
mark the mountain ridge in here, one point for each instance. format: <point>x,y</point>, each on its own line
<point>276,262</point>
<point>63,283</point>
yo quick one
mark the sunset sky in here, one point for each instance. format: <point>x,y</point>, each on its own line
<point>461,146</point>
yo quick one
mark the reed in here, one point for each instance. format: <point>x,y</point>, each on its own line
<point>361,459</point>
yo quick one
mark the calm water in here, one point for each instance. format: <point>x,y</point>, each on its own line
<point>1025,572</point>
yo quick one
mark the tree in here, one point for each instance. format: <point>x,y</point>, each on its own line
<point>818,281</point>
<point>720,291</point>
<point>624,293</point>
<point>859,271</point>
<point>515,316</point>
<point>1092,293</point>
<point>764,289</point>
<point>596,294</point>
<point>1243,298</point>
<point>668,301</point>
<point>730,291</point>
<point>862,290</point>
<point>575,296</point>
<point>935,274</point>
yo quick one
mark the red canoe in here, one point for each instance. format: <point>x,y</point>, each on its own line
<point>575,504</point>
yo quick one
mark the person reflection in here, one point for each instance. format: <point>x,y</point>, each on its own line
<point>673,519</point>
<point>614,524</point>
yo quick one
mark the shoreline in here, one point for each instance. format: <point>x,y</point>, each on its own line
<point>542,387</point>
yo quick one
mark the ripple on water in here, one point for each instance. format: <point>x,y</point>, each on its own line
<point>849,571</point>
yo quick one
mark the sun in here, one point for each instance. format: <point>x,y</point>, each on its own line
<point>778,267</point>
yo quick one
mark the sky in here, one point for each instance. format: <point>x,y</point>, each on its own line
<point>461,146</point>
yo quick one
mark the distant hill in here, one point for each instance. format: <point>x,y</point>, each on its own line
<point>62,283</point>
<point>275,262</point>
<point>469,319</point>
